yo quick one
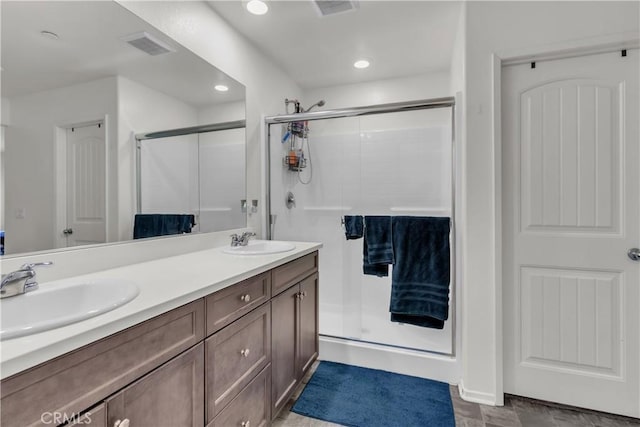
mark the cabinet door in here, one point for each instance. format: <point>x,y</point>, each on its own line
<point>234,356</point>
<point>284,336</point>
<point>172,395</point>
<point>308,324</point>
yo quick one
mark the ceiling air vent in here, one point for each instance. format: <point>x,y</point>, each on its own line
<point>148,43</point>
<point>333,7</point>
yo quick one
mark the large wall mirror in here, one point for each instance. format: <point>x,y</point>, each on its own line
<point>92,97</point>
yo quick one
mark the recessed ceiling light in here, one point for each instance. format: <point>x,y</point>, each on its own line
<point>50,35</point>
<point>221,88</point>
<point>362,63</point>
<point>257,7</point>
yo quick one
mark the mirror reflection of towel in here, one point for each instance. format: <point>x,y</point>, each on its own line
<point>153,225</point>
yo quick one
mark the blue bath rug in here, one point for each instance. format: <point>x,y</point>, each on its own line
<point>361,397</point>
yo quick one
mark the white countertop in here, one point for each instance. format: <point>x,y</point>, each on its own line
<point>164,284</point>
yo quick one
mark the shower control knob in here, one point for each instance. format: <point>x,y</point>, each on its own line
<point>634,254</point>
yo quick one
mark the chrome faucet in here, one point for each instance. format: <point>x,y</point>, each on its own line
<point>242,240</point>
<point>20,281</point>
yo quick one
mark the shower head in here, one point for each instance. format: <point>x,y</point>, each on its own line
<point>318,104</point>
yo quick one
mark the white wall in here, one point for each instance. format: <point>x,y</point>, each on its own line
<point>457,87</point>
<point>227,112</point>
<point>141,109</point>
<point>495,27</point>
<point>197,27</point>
<point>422,86</point>
<point>30,142</point>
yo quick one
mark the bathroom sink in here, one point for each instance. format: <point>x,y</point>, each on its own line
<point>260,247</point>
<point>53,306</point>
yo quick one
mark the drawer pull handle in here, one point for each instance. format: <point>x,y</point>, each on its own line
<point>245,298</point>
<point>121,423</point>
<point>246,423</point>
<point>245,352</point>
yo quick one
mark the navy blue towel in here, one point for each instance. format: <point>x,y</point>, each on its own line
<point>353,227</point>
<point>378,245</point>
<point>420,280</point>
<point>153,225</point>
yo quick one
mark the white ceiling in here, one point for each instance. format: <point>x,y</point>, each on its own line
<point>90,48</point>
<point>399,38</point>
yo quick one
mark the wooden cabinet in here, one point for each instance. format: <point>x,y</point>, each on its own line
<point>251,408</point>
<point>308,325</point>
<point>227,305</point>
<point>294,338</point>
<point>293,272</point>
<point>172,395</point>
<point>284,338</point>
<point>232,358</point>
<point>94,417</point>
<point>78,380</point>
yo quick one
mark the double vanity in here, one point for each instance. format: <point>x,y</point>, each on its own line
<point>211,338</point>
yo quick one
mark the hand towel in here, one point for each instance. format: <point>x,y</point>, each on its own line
<point>378,245</point>
<point>353,227</point>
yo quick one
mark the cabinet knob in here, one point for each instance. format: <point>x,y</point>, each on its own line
<point>245,298</point>
<point>121,423</point>
<point>246,423</point>
<point>245,352</point>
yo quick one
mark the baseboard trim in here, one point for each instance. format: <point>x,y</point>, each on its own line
<point>477,396</point>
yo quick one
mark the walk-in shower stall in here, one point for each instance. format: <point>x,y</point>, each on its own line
<point>197,170</point>
<point>393,159</point>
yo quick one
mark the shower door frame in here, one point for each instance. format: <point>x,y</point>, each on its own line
<point>395,107</point>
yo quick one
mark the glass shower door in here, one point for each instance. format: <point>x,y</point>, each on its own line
<point>385,164</point>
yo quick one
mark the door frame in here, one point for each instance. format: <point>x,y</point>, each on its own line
<point>561,50</point>
<point>60,174</point>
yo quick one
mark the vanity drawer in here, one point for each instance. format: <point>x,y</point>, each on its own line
<point>234,356</point>
<point>77,380</point>
<point>251,407</point>
<point>227,305</point>
<point>291,273</point>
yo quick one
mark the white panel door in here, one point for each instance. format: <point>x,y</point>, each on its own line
<point>571,192</point>
<point>86,189</point>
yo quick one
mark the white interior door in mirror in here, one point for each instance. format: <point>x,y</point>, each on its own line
<point>86,185</point>
<point>570,214</point>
